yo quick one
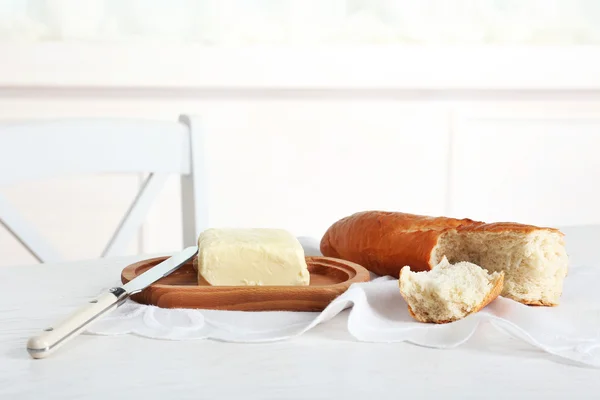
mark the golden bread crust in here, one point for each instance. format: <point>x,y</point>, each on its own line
<point>499,227</point>
<point>538,303</point>
<point>384,241</point>
<point>493,294</point>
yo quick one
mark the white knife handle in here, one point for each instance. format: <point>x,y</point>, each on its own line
<point>54,337</point>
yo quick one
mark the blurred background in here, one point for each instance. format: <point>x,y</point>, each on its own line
<point>312,110</point>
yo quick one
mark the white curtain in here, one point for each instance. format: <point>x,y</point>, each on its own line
<point>243,22</point>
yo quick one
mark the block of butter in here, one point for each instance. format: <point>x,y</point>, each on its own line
<point>251,257</point>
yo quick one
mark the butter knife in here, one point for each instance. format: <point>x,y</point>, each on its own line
<point>52,338</point>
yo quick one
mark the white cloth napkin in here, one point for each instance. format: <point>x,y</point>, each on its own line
<point>379,314</point>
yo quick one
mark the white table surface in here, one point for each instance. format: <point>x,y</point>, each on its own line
<point>326,362</point>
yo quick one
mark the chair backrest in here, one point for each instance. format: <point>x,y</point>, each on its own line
<point>34,150</point>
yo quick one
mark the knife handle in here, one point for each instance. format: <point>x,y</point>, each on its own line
<point>52,338</point>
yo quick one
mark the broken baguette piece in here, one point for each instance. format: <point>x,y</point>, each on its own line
<point>534,259</point>
<point>448,292</point>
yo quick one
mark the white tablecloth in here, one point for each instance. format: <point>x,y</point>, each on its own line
<point>325,362</point>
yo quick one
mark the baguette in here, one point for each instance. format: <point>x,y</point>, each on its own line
<point>448,292</point>
<point>534,259</point>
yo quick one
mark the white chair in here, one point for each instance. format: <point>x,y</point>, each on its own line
<point>50,148</point>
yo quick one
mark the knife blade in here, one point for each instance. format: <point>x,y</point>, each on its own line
<point>52,338</point>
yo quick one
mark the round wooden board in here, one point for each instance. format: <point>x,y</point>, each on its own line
<point>329,277</point>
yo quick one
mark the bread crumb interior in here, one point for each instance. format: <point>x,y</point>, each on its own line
<point>535,263</point>
<point>447,292</point>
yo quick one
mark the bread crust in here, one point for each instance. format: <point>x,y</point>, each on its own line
<point>385,241</point>
<point>500,227</point>
<point>539,303</point>
<point>491,296</point>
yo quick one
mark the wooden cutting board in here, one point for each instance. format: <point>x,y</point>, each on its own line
<point>329,277</point>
